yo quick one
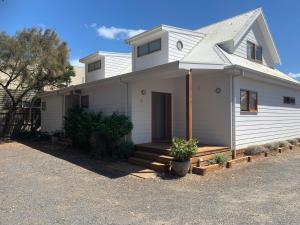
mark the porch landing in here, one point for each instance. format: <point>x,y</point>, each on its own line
<point>156,155</point>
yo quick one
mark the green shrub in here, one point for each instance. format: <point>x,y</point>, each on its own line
<point>254,150</point>
<point>283,144</point>
<point>272,146</point>
<point>183,150</point>
<point>124,150</point>
<point>293,141</point>
<point>220,159</point>
<point>114,127</point>
<point>79,125</point>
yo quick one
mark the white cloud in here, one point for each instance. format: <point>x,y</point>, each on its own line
<point>294,75</point>
<point>75,62</point>
<point>115,33</point>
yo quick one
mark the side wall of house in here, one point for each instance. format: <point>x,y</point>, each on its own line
<point>52,117</point>
<point>114,65</point>
<point>211,111</point>
<point>106,98</point>
<point>274,121</point>
<point>154,59</point>
<point>255,36</point>
<point>96,74</point>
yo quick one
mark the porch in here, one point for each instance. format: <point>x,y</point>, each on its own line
<point>156,155</point>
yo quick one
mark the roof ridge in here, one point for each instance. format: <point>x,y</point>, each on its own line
<point>229,18</point>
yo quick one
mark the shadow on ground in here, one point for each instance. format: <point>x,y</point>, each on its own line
<point>107,168</point>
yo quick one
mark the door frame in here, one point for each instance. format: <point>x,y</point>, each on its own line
<point>167,122</point>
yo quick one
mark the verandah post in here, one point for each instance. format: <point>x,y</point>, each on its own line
<point>189,106</point>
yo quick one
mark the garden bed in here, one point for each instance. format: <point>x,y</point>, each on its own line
<point>233,162</point>
<point>203,170</point>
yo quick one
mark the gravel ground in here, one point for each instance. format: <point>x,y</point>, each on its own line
<point>42,184</point>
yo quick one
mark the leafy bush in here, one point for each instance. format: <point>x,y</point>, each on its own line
<point>182,150</point>
<point>220,159</point>
<point>79,125</point>
<point>114,127</point>
<point>272,146</point>
<point>293,141</point>
<point>254,150</point>
<point>124,150</point>
<point>283,144</point>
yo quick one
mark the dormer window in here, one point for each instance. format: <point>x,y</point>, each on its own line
<point>94,66</point>
<point>254,52</point>
<point>149,48</point>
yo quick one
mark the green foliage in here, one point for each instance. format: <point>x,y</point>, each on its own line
<point>31,60</point>
<point>124,150</point>
<point>272,146</point>
<point>182,150</point>
<point>254,150</point>
<point>220,159</point>
<point>283,144</point>
<point>115,127</point>
<point>79,125</point>
<point>293,141</point>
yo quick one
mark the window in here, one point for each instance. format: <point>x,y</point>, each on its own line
<point>85,101</point>
<point>250,50</point>
<point>148,48</point>
<point>94,66</point>
<point>44,106</point>
<point>248,101</point>
<point>258,53</point>
<point>254,52</point>
<point>289,100</point>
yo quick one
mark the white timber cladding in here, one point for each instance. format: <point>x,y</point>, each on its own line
<point>114,65</point>
<point>189,41</point>
<point>211,111</point>
<point>153,59</point>
<point>274,121</point>
<point>107,98</point>
<point>169,51</point>
<point>52,117</point>
<point>255,36</point>
<point>111,65</point>
<point>96,74</point>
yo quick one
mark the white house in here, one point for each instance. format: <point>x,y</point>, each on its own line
<point>217,84</point>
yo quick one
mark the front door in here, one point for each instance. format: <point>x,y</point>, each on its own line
<point>161,116</point>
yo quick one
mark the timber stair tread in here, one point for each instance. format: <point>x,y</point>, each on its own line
<point>157,166</point>
<point>153,156</point>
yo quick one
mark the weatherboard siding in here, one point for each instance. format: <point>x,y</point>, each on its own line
<point>189,41</point>
<point>52,117</point>
<point>255,36</point>
<point>115,65</point>
<point>274,120</point>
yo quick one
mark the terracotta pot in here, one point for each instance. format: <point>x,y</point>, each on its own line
<point>181,168</point>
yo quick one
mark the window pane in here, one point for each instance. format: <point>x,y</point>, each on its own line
<point>250,50</point>
<point>85,101</point>
<point>94,66</point>
<point>244,100</point>
<point>258,53</point>
<point>154,46</point>
<point>253,101</point>
<point>143,50</point>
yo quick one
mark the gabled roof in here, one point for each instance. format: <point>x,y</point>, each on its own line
<point>229,31</point>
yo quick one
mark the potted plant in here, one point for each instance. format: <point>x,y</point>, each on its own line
<point>182,151</point>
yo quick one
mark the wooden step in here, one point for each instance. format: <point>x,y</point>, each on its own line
<point>203,153</point>
<point>149,164</point>
<point>153,157</point>
<point>155,150</point>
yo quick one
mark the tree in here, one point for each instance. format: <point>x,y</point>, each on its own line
<point>30,61</point>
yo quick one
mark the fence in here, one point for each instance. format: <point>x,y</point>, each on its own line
<point>24,120</point>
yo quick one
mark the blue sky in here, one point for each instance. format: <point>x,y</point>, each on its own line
<point>89,26</point>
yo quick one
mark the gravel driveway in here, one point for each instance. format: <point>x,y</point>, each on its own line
<point>48,185</point>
